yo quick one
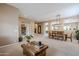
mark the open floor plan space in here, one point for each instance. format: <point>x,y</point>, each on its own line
<point>39,29</point>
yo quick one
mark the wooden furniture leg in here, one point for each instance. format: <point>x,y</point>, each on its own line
<point>65,37</point>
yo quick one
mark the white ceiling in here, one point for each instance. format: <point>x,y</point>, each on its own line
<point>45,11</point>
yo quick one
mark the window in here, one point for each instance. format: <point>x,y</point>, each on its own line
<point>70,27</point>
<point>67,27</point>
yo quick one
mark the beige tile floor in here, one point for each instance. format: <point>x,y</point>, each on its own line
<point>56,47</point>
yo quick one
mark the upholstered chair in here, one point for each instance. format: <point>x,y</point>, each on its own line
<point>26,50</point>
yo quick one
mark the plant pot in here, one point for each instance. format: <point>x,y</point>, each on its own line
<point>77,37</point>
<point>20,39</point>
<point>28,41</point>
<point>78,41</point>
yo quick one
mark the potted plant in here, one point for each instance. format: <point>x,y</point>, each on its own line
<point>77,35</point>
<point>28,37</point>
<point>20,39</point>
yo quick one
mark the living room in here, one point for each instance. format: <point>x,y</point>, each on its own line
<point>52,24</point>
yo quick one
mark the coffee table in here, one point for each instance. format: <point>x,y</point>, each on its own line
<point>34,49</point>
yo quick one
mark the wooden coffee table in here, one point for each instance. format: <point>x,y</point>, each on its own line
<point>42,51</point>
<point>36,52</point>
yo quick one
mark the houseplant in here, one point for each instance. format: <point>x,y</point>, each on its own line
<point>28,37</point>
<point>77,35</point>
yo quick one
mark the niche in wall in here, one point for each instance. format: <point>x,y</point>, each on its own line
<point>36,28</point>
<point>39,29</point>
<point>23,29</point>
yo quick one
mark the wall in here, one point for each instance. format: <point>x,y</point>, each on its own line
<point>42,28</point>
<point>8,24</point>
<point>63,21</point>
<point>29,23</point>
<point>71,19</point>
<point>31,29</point>
<point>50,25</point>
<point>36,28</point>
<point>78,26</point>
<point>21,21</point>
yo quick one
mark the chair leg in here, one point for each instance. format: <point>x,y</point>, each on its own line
<point>71,39</point>
<point>65,39</point>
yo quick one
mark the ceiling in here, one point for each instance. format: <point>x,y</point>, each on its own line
<point>46,11</point>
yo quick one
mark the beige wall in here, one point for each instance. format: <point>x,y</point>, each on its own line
<point>32,27</point>
<point>21,21</point>
<point>42,28</point>
<point>50,25</point>
<point>29,23</point>
<point>8,24</point>
<point>62,21</point>
<point>78,26</point>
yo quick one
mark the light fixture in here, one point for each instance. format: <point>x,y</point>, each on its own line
<point>58,18</point>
